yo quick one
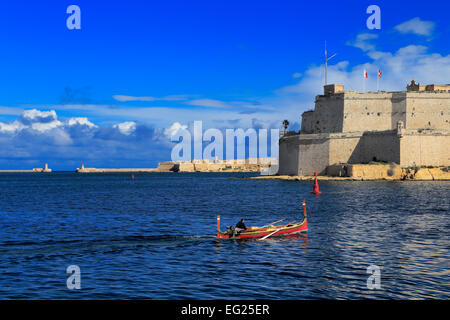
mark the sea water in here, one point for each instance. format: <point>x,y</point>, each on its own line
<point>154,237</point>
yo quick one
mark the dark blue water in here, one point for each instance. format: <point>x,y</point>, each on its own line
<point>154,237</point>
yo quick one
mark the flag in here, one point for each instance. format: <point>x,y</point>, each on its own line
<point>379,73</point>
<point>365,75</point>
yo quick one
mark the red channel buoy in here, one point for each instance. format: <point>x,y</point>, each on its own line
<point>316,185</point>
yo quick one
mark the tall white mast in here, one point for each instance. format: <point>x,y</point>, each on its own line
<point>326,62</point>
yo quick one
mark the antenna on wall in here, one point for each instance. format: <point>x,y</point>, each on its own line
<point>326,61</point>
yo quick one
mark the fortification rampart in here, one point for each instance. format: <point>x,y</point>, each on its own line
<point>410,128</point>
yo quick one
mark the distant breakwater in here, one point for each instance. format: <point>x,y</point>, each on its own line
<point>241,165</point>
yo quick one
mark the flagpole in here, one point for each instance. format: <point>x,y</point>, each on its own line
<point>364,80</point>
<point>326,63</point>
<point>378,79</point>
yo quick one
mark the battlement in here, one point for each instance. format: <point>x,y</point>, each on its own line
<point>413,86</point>
<point>333,89</point>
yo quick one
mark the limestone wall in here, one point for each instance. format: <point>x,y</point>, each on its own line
<point>327,115</point>
<point>308,121</point>
<point>342,149</point>
<point>351,111</point>
<point>428,110</point>
<point>387,172</point>
<point>304,154</point>
<point>314,156</point>
<point>368,111</point>
<point>425,149</point>
<point>379,146</point>
<point>378,111</point>
<point>374,171</point>
<point>167,166</point>
<point>363,147</point>
<point>289,150</point>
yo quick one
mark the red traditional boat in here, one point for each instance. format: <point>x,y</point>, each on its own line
<point>267,230</point>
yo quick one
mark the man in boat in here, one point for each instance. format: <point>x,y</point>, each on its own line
<point>234,231</point>
<point>240,226</point>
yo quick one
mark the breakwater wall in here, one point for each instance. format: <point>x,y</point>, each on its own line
<point>115,170</point>
<point>45,169</point>
<point>240,165</point>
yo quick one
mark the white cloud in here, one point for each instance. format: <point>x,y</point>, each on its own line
<point>296,75</point>
<point>125,98</point>
<point>173,129</point>
<point>362,41</point>
<point>132,98</point>
<point>37,115</point>
<point>42,121</point>
<point>416,26</point>
<point>126,128</point>
<point>209,103</point>
<point>46,126</point>
<point>82,121</point>
<point>11,127</point>
<point>39,120</point>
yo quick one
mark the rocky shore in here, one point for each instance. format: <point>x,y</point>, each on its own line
<point>369,172</point>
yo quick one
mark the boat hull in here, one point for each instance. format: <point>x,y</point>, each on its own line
<point>258,233</point>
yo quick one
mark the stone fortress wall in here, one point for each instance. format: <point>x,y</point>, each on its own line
<point>410,128</point>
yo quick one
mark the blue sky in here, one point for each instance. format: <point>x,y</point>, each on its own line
<point>138,67</point>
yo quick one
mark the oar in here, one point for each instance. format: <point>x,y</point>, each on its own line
<point>265,237</point>
<point>273,223</point>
